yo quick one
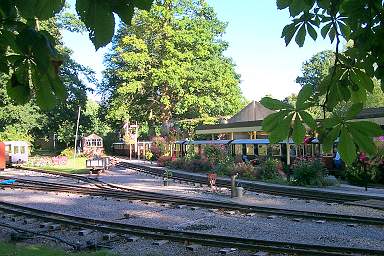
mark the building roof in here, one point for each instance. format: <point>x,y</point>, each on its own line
<point>230,127</point>
<point>241,123</point>
<point>92,136</point>
<point>252,112</point>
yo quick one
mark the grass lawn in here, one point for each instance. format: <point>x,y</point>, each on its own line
<point>11,249</point>
<point>73,167</point>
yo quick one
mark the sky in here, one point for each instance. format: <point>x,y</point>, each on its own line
<point>265,64</point>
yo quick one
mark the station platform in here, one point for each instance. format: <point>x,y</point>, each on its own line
<point>375,194</point>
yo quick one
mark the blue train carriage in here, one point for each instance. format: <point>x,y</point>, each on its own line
<point>178,149</point>
<point>198,145</point>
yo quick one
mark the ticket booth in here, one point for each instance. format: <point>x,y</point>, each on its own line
<point>2,156</point>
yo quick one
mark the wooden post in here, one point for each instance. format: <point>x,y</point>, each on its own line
<point>288,154</point>
<point>143,150</point>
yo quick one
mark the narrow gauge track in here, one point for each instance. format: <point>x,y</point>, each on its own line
<point>113,191</point>
<point>260,188</point>
<point>183,236</point>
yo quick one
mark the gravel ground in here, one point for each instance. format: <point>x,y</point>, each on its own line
<point>36,176</point>
<point>132,179</point>
<point>118,245</point>
<point>346,188</point>
<point>201,220</point>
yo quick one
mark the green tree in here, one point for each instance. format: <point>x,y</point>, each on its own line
<point>18,121</point>
<point>350,78</point>
<point>169,65</point>
<point>93,120</point>
<point>316,69</point>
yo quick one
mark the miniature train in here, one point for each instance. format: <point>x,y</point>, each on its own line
<point>258,149</point>
<point>15,152</point>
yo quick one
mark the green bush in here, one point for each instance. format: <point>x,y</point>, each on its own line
<point>164,161</point>
<point>309,173</point>
<point>190,154</point>
<point>199,165</point>
<point>68,152</point>
<point>356,175</point>
<point>158,147</point>
<point>149,156</point>
<point>269,169</point>
<point>219,159</point>
<point>246,170</point>
<point>178,163</point>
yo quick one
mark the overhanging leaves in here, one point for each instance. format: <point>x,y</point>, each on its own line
<point>346,147</point>
<point>298,131</point>
<point>304,94</point>
<point>42,9</point>
<point>98,18</point>
<point>274,104</point>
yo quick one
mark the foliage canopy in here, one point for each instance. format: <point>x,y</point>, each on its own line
<point>350,78</point>
<point>29,53</point>
<point>169,64</point>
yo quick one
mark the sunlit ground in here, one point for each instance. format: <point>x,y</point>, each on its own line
<point>76,166</point>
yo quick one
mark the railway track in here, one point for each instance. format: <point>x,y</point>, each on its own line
<point>114,191</point>
<point>183,236</point>
<point>260,188</point>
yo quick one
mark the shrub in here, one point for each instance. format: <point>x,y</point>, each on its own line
<point>199,165</point>
<point>68,152</point>
<point>269,169</point>
<point>219,159</point>
<point>246,170</point>
<point>191,154</point>
<point>178,163</point>
<point>158,147</point>
<point>149,156</point>
<point>308,173</point>
<point>164,161</point>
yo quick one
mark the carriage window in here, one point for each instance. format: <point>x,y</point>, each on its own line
<point>238,149</point>
<point>276,149</point>
<point>293,150</point>
<point>22,149</point>
<point>15,149</point>
<point>308,149</point>
<point>300,150</point>
<point>8,148</point>
<point>250,149</point>
<point>262,149</point>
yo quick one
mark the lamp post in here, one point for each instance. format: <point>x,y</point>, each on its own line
<point>77,130</point>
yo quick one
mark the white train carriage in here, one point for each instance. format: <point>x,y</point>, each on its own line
<point>16,151</point>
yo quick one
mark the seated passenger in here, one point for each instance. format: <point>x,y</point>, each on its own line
<point>337,160</point>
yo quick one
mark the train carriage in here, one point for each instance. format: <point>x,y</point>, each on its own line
<point>16,152</point>
<point>258,149</point>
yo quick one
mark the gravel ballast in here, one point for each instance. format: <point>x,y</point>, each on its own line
<point>201,220</point>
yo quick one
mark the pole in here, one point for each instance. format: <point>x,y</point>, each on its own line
<point>77,130</point>
<point>54,142</point>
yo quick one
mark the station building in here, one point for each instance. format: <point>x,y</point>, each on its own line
<point>247,124</point>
